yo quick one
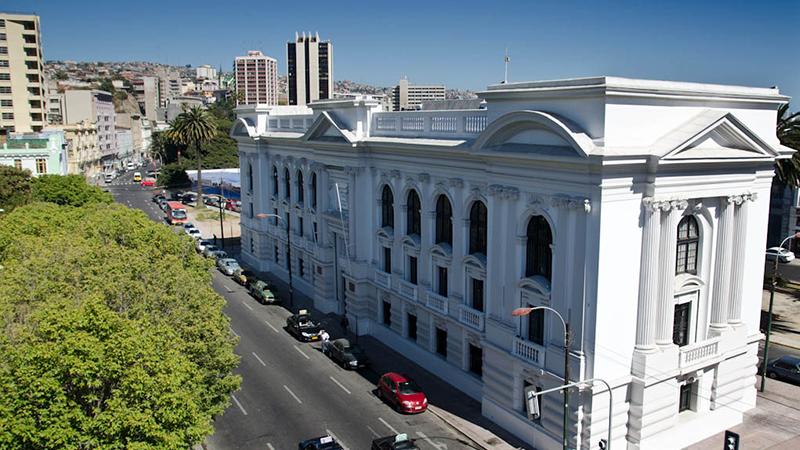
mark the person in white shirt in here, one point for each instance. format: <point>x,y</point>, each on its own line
<point>325,338</point>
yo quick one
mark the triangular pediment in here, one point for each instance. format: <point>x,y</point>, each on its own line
<point>325,129</point>
<point>713,135</point>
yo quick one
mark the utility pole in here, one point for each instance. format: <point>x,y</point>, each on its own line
<point>506,60</point>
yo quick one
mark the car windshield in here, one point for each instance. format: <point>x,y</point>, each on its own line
<point>408,387</point>
<point>179,214</point>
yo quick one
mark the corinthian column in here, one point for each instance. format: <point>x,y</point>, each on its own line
<point>666,274</point>
<point>648,277</point>
<point>737,271</point>
<point>722,270</point>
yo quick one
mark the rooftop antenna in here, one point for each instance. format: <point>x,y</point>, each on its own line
<point>506,60</point>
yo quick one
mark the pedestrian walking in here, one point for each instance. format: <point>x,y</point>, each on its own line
<point>215,239</point>
<point>325,338</point>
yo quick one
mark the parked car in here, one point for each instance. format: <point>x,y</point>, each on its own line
<point>208,248</point>
<point>227,266</point>
<point>320,443</point>
<point>345,354</point>
<point>188,225</point>
<point>211,200</point>
<point>218,254</point>
<point>188,198</point>
<point>109,178</point>
<point>162,203</point>
<point>261,292</point>
<point>158,197</point>
<point>394,442</point>
<point>783,255</point>
<point>402,393</point>
<point>786,368</point>
<point>194,233</point>
<point>302,327</point>
<point>137,177</point>
<point>201,245</point>
<point>244,277</point>
<point>233,205</point>
<point>178,196</point>
<point>148,182</point>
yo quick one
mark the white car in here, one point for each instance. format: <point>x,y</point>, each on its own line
<point>783,255</point>
<point>194,233</point>
<point>201,244</point>
<point>228,266</point>
<point>217,254</point>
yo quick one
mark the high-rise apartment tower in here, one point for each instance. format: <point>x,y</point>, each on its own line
<point>22,88</point>
<point>256,79</point>
<point>310,68</point>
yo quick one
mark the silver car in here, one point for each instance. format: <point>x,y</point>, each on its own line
<point>218,254</point>
<point>228,266</point>
<point>208,249</point>
<point>201,245</point>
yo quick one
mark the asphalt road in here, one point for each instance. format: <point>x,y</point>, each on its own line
<point>290,391</point>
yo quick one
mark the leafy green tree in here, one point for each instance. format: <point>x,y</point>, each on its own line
<point>67,190</point>
<point>110,335</point>
<point>15,187</point>
<point>173,176</point>
<point>194,127</point>
<point>788,131</point>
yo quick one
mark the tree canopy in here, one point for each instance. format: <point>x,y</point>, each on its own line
<point>15,187</point>
<point>67,190</point>
<point>110,334</point>
<point>788,131</point>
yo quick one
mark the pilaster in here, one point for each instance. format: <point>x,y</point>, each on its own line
<point>666,275</point>
<point>648,277</point>
<point>722,271</point>
<point>737,261</point>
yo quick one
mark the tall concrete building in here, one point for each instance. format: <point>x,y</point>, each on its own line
<point>256,79</point>
<point>145,89</point>
<point>22,88</point>
<point>205,72</point>
<point>98,107</point>
<point>406,97</point>
<point>310,68</point>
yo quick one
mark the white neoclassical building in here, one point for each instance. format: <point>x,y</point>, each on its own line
<point>635,208</point>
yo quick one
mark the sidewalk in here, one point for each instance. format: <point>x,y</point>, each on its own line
<point>785,318</point>
<point>452,406</point>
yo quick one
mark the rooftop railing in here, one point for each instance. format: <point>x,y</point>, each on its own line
<point>454,124</point>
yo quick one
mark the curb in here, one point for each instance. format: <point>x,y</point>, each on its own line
<point>462,430</point>
<point>792,345</point>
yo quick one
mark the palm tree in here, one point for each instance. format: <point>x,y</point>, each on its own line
<point>193,128</point>
<point>788,131</point>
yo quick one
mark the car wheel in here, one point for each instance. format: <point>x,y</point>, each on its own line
<point>772,375</point>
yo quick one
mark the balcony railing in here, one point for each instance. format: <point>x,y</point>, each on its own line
<point>441,124</point>
<point>528,351</point>
<point>407,289</point>
<point>471,317</point>
<point>699,353</point>
<point>436,302</point>
<point>295,123</point>
<point>383,279</point>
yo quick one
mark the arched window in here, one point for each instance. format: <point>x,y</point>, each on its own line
<point>300,188</point>
<point>413,224</point>
<point>387,207</point>
<point>287,184</point>
<point>477,228</point>
<point>274,181</point>
<point>688,239</point>
<point>314,190</point>
<point>538,251</point>
<point>444,222</point>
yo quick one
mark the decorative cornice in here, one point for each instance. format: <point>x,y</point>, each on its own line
<point>456,182</point>
<point>503,192</point>
<point>565,202</point>
<point>665,205</point>
<point>395,174</point>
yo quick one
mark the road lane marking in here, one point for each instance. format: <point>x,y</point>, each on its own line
<point>339,441</point>
<point>340,384</point>
<point>375,433</point>
<point>238,404</point>
<point>301,352</point>
<point>428,440</point>
<point>270,447</point>
<point>230,291</point>
<point>259,359</point>
<point>292,394</point>
<point>247,306</point>
<point>387,425</point>
<point>234,333</point>
<point>270,325</point>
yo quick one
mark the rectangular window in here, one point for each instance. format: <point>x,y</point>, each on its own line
<point>412,269</point>
<point>288,261</point>
<point>441,286</point>
<point>680,325</point>
<point>8,116</point>
<point>387,313</point>
<point>536,327</point>
<point>3,37</point>
<point>477,294</point>
<point>3,50</point>
<point>316,232</point>
<point>685,399</point>
<point>275,216</point>
<point>277,253</point>
<point>18,164</point>
<point>41,165</point>
<point>476,360</point>
<point>441,342</point>
<point>3,63</point>
<point>300,267</point>
<point>5,89</point>
<point>412,327</point>
<point>6,103</point>
<point>300,226</point>
<point>5,76</point>
<point>250,210</point>
<point>387,259</point>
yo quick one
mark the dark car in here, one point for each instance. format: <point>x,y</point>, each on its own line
<point>347,355</point>
<point>302,327</point>
<point>320,443</point>
<point>394,442</point>
<point>188,198</point>
<point>177,196</point>
<point>211,201</point>
<point>785,368</point>
<point>158,198</point>
<point>261,292</point>
<point>402,393</point>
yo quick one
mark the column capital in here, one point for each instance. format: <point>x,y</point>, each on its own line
<point>665,204</point>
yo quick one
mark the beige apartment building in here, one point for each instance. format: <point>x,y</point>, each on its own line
<point>309,64</point>
<point>22,87</point>
<point>83,152</point>
<point>407,97</point>
<point>256,79</point>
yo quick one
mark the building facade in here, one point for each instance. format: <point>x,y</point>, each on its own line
<point>256,79</point>
<point>43,153</point>
<point>309,64</point>
<point>145,90</point>
<point>83,152</point>
<point>205,72</point>
<point>23,107</point>
<point>409,97</point>
<point>98,107</point>
<point>635,208</point>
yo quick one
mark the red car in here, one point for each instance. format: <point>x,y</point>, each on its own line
<point>402,392</point>
<point>148,182</point>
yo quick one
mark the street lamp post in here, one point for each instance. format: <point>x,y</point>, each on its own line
<point>524,312</point>
<point>288,251</point>
<point>769,314</point>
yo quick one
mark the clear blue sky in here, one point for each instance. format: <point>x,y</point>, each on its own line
<point>458,43</point>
